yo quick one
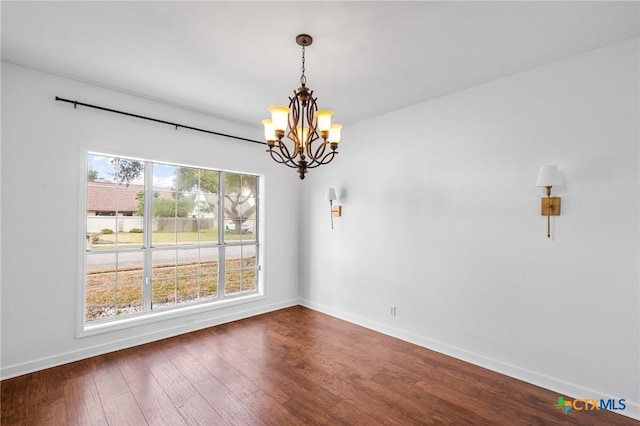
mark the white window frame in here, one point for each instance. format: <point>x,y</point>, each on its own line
<point>179,310</point>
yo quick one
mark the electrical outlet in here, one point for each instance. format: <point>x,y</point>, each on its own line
<point>392,311</point>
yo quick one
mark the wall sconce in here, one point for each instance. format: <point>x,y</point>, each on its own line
<point>335,210</point>
<point>549,176</point>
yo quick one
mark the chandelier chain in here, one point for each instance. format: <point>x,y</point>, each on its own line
<point>303,79</point>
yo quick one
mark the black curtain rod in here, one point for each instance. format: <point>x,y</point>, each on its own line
<point>176,125</point>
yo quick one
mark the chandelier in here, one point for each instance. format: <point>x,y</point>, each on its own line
<point>305,123</point>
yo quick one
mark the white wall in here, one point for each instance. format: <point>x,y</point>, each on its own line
<point>42,144</point>
<point>441,218</point>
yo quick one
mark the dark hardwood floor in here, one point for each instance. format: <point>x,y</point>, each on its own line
<point>294,366</point>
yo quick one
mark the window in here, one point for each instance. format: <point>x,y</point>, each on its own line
<point>164,236</point>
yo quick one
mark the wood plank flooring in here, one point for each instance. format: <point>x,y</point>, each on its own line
<point>289,367</point>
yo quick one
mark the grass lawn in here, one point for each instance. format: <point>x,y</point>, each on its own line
<point>172,284</point>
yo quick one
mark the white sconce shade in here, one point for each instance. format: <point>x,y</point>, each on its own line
<point>549,176</point>
<point>331,194</point>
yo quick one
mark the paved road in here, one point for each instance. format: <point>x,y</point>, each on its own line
<point>95,259</point>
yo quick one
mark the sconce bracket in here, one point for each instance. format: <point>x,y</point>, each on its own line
<point>554,202</point>
<point>336,211</point>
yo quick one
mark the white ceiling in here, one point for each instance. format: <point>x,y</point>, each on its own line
<point>234,59</point>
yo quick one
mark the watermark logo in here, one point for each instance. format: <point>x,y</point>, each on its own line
<point>563,405</point>
<point>586,404</point>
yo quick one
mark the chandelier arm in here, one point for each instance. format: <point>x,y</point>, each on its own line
<point>287,159</point>
<point>277,157</point>
<point>308,148</point>
<point>294,119</point>
<point>284,151</point>
<point>325,160</point>
<point>303,125</point>
<point>281,160</point>
<point>311,156</point>
<point>313,108</point>
<point>312,119</point>
<point>319,152</point>
<point>284,148</point>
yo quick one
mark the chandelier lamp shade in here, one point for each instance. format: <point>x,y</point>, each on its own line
<point>311,139</point>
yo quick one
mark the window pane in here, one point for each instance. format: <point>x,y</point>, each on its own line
<point>240,207</point>
<point>130,205</point>
<point>164,231</point>
<point>100,283</point>
<point>130,283</point>
<point>164,178</point>
<point>208,272</point>
<point>207,205</point>
<point>184,275</point>
<point>129,299</point>
<point>250,183</point>
<point>164,293</point>
<point>100,168</point>
<point>209,286</point>
<point>206,213</point>
<point>96,228</point>
<point>113,284</point>
<point>248,212</point>
<point>187,230</point>
<point>240,267</point>
<point>188,269</point>
<point>164,204</point>
<point>187,179</point>
<point>248,282</point>
<point>113,188</point>
<point>100,301</point>
<point>163,278</point>
<point>232,183</point>
<point>208,230</point>
<point>101,198</point>
<point>186,212</point>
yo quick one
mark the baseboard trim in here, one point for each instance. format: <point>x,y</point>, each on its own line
<point>567,389</point>
<point>88,352</point>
